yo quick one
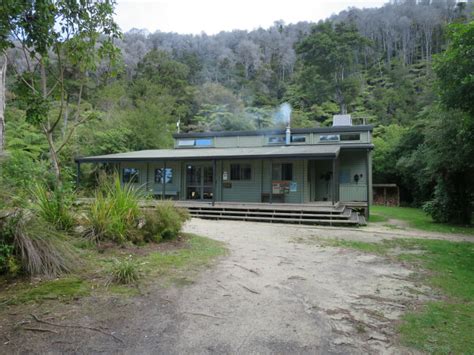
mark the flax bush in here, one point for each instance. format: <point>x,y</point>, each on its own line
<point>114,213</point>
<point>54,206</point>
<point>34,246</point>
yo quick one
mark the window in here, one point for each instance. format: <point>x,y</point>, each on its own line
<point>350,137</point>
<point>186,143</point>
<point>298,139</point>
<point>160,173</point>
<point>329,138</point>
<point>282,171</point>
<point>276,140</point>
<point>131,175</point>
<point>240,172</point>
<point>203,142</point>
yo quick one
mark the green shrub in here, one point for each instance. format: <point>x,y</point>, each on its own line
<point>54,206</point>
<point>124,271</point>
<point>114,213</point>
<point>164,222</point>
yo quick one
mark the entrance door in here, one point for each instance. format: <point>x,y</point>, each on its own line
<point>199,182</point>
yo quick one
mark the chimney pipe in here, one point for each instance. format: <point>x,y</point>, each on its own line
<point>288,135</point>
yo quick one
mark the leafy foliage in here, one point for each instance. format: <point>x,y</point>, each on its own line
<point>164,222</point>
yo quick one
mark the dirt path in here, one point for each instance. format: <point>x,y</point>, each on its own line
<point>269,295</point>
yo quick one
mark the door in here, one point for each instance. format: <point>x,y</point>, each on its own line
<point>199,182</point>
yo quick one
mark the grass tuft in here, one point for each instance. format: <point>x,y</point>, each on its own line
<point>124,272</point>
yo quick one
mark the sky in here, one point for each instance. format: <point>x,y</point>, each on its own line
<point>213,16</point>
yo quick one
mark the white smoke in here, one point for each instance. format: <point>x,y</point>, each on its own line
<point>283,115</point>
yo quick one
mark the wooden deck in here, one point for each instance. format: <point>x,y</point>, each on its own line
<point>317,213</point>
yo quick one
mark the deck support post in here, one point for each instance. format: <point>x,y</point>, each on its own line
<point>367,213</point>
<point>163,186</point>
<point>78,175</point>
<point>271,181</point>
<point>333,181</point>
<point>214,182</point>
<point>147,178</point>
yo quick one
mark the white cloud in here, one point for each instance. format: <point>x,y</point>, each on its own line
<point>213,16</point>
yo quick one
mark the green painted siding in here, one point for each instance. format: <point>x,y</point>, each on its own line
<point>242,190</point>
<point>352,163</point>
<point>308,176</point>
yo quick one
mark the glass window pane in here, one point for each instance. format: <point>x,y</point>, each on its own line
<point>350,137</point>
<point>235,171</point>
<point>287,171</point>
<point>203,142</point>
<point>186,142</point>
<point>158,176</point>
<point>276,172</point>
<point>276,139</point>
<point>208,173</point>
<point>131,175</point>
<point>329,138</point>
<point>298,139</point>
<point>246,172</point>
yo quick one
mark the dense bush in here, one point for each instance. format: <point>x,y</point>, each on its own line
<point>164,222</point>
<point>114,213</point>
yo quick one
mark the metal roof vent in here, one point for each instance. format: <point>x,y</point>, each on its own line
<point>341,120</point>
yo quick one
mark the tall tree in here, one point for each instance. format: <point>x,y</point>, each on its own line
<point>56,36</point>
<point>330,64</point>
<point>455,68</point>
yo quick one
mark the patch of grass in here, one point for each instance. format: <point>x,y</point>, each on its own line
<point>444,326</point>
<point>416,218</point>
<point>176,265</point>
<point>61,289</point>
<point>377,218</point>
<point>199,252</point>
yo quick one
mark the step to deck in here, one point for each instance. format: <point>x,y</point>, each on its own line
<point>338,215</point>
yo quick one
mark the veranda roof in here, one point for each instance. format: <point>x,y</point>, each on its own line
<point>320,151</point>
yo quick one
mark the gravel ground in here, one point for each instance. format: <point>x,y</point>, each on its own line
<point>277,291</point>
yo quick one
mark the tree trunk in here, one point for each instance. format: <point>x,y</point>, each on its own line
<point>3,74</point>
<point>48,130</point>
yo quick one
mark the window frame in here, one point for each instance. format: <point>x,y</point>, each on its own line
<point>243,171</point>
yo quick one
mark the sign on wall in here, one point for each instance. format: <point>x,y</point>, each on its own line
<point>293,186</point>
<point>280,187</point>
<point>225,176</point>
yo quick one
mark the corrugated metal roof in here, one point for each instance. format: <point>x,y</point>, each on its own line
<point>316,151</point>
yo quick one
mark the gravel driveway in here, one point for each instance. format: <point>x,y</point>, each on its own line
<point>277,291</point>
